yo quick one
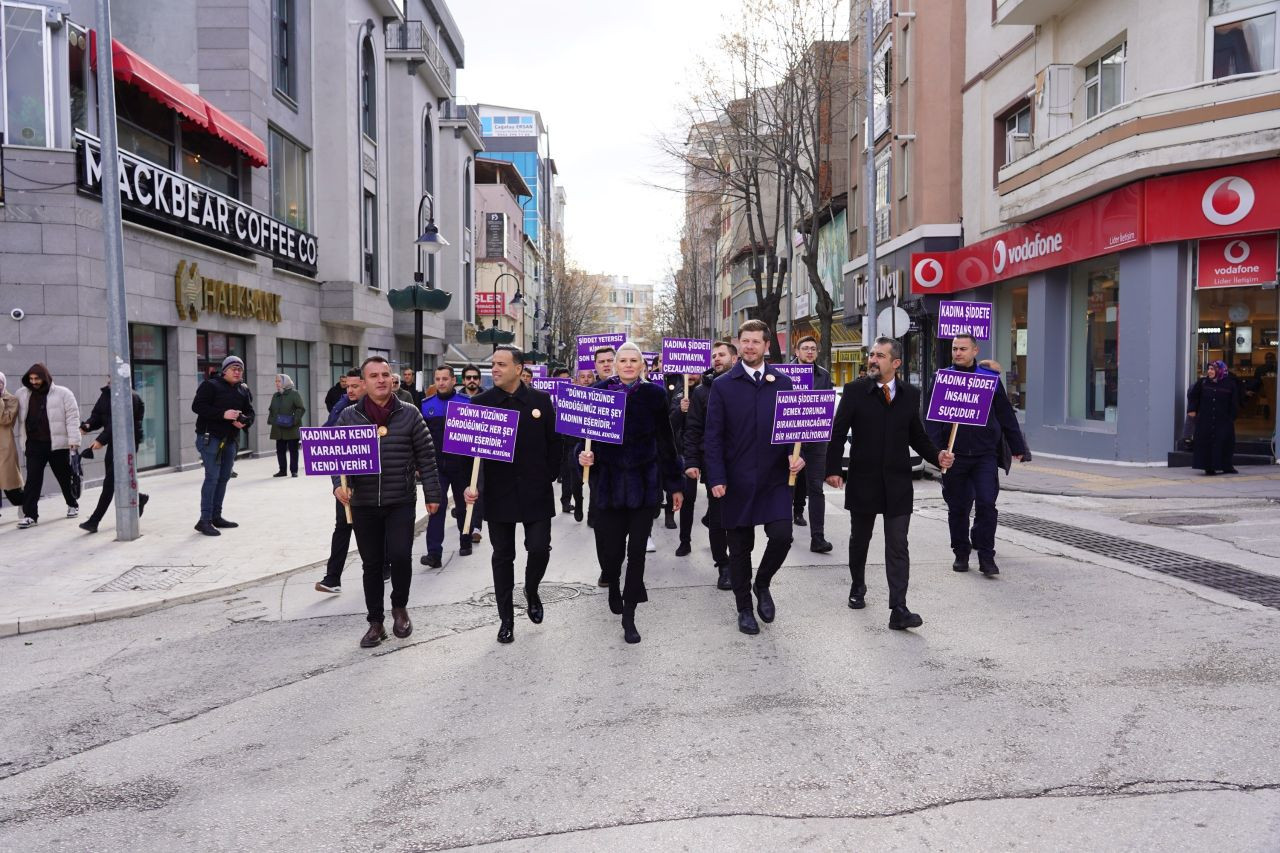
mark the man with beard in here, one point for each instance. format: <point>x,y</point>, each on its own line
<point>454,471</point>
<point>49,423</point>
<point>223,406</point>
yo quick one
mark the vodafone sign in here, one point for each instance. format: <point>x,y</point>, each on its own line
<point>1237,261</point>
<point>926,273</point>
<point>1235,199</point>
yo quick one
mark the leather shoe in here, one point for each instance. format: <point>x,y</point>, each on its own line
<point>821,546</point>
<point>223,523</point>
<point>207,528</point>
<point>724,581</point>
<point>533,607</point>
<point>961,564</point>
<point>764,603</point>
<point>747,622</point>
<point>629,632</point>
<point>987,565</point>
<point>900,618</point>
<point>684,550</point>
<point>430,560</point>
<point>506,633</point>
<point>577,513</point>
<point>88,527</point>
<point>615,600</point>
<point>671,521</point>
<point>401,626</point>
<point>142,504</point>
<point>566,509</point>
<point>280,474</point>
<point>603,581</point>
<point>857,597</point>
<point>374,636</point>
<point>799,520</point>
<point>464,549</point>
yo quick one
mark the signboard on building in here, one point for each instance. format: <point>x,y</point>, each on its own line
<point>160,194</point>
<point>1230,200</point>
<point>519,125</point>
<point>195,294</point>
<point>491,304</point>
<point>1237,261</point>
<point>495,235</point>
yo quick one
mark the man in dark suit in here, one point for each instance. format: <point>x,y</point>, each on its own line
<point>815,458</point>
<point>724,356</point>
<point>749,473</point>
<point>519,492</point>
<point>974,478</point>
<point>884,415</point>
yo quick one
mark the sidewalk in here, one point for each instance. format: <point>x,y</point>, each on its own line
<point>1085,479</point>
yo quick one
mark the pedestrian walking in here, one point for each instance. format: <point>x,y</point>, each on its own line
<point>452,470</point>
<point>724,356</point>
<point>100,419</point>
<point>223,406</point>
<point>748,472</point>
<point>340,540</point>
<point>809,487</point>
<point>10,472</point>
<point>883,414</point>
<point>1214,403</point>
<point>681,403</point>
<point>521,491</point>
<point>49,428</point>
<point>409,382</point>
<point>628,482</point>
<point>382,504</point>
<point>570,470</point>
<point>401,394</point>
<point>337,392</point>
<point>352,391</point>
<point>285,414</point>
<point>973,484</point>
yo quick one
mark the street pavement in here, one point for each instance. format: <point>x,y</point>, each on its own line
<point>1075,702</point>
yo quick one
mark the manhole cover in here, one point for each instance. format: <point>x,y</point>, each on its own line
<point>1185,519</point>
<point>149,578</point>
<point>548,592</point>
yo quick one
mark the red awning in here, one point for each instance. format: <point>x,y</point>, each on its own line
<point>131,68</point>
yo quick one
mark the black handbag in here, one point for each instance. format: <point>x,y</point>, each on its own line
<point>77,476</point>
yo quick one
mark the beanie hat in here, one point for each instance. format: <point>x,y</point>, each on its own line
<point>230,360</point>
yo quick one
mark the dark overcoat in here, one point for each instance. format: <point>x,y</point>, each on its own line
<point>522,490</point>
<point>879,476</point>
<point>737,452</point>
<point>639,471</point>
<point>1216,405</point>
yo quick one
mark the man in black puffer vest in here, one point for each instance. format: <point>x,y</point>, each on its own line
<point>382,504</point>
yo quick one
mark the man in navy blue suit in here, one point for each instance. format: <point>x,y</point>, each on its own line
<point>747,472</point>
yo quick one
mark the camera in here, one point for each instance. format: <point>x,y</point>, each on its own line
<point>17,313</point>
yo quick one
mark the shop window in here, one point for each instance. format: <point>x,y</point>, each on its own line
<point>342,359</point>
<point>368,91</point>
<point>1011,347</point>
<point>144,127</point>
<point>290,163</point>
<point>211,162</point>
<point>213,347</point>
<point>1104,82</point>
<point>1094,371</point>
<point>1238,325</point>
<point>283,74</point>
<point>151,382</point>
<point>293,358</point>
<point>1242,38</point>
<point>24,44</point>
<point>79,81</point>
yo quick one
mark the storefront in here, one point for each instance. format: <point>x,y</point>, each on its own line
<point>1098,376</point>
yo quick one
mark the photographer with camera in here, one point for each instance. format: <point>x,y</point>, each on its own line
<point>223,406</point>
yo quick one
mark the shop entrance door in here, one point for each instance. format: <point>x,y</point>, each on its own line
<point>1238,325</point>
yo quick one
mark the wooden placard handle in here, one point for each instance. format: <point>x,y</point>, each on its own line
<point>475,481</point>
<point>951,442</point>
<point>795,454</point>
<point>586,469</point>
<point>342,481</point>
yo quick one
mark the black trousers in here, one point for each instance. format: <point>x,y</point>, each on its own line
<point>289,446</point>
<point>39,454</point>
<point>537,549</point>
<point>108,489</point>
<point>384,534</point>
<point>809,484</point>
<point>741,542</point>
<point>339,544</point>
<point>15,496</point>
<point>570,483</point>
<point>897,558</point>
<point>686,509</point>
<point>972,484</point>
<point>715,532</point>
<point>622,534</point>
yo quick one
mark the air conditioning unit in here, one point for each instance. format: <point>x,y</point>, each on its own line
<point>1020,145</point>
<point>1054,87</point>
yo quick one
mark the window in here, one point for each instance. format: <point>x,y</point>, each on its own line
<point>151,382</point>
<point>428,153</point>
<point>904,170</point>
<point>283,75</point>
<point>144,127</point>
<point>1011,350</point>
<point>24,44</point>
<point>1095,355</point>
<point>79,80</point>
<point>213,347</point>
<point>289,180</point>
<point>368,91</point>
<point>212,162</point>
<point>904,55</point>
<point>1242,40</point>
<point>293,359</point>
<point>369,240</point>
<point>883,190</point>
<point>1017,134</point>
<point>880,88</point>
<point>341,359</point>
<point>1104,82</point>
<point>631,297</point>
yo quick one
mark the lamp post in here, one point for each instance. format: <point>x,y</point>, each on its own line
<point>495,335</point>
<point>433,242</point>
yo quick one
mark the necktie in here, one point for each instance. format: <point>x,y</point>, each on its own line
<point>755,376</point>
<point>888,398</point>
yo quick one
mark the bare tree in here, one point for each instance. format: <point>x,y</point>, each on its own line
<point>574,302</point>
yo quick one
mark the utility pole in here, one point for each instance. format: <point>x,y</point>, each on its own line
<point>871,302</point>
<point>122,450</point>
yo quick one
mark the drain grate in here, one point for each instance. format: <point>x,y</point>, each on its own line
<point>1224,577</point>
<point>150,578</point>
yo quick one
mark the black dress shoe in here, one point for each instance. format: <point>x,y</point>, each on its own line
<point>386,574</point>
<point>577,513</point>
<point>374,636</point>
<point>900,618</point>
<point>207,528</point>
<point>430,560</point>
<point>279,474</point>
<point>506,633</point>
<point>615,599</point>
<point>1230,471</point>
<point>724,581</point>
<point>603,581</point>
<point>671,521</point>
<point>401,625</point>
<point>629,632</point>
<point>821,546</point>
<point>533,607</point>
<point>566,509</point>
<point>747,622</point>
<point>142,504</point>
<point>464,549</point>
<point>764,603</point>
<point>684,550</point>
<point>88,527</point>
<point>857,597</point>
<point>221,522</point>
<point>961,564</point>
<point>799,520</point>
<point>987,565</point>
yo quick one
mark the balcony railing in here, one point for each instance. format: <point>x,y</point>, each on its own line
<point>414,37</point>
<point>462,112</point>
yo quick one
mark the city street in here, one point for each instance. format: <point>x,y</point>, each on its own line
<point>1077,701</point>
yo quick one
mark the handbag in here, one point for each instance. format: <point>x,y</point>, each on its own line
<point>77,476</point>
<point>285,421</point>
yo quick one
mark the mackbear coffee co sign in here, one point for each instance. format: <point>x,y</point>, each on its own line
<point>161,194</point>
<point>195,295</point>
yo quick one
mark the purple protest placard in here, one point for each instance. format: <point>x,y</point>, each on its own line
<point>801,375</point>
<point>650,358</point>
<point>594,413</point>
<point>485,432</point>
<point>964,318</point>
<point>539,371</point>
<point>656,376</point>
<point>962,398</point>
<point>689,356</point>
<point>588,344</point>
<point>542,383</point>
<point>340,450</point>
<point>803,416</point>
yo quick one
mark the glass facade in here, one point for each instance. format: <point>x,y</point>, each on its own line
<point>1009,341</point>
<point>1238,325</point>
<point>26,58</point>
<point>529,165</point>
<point>151,382</point>
<point>293,359</point>
<point>1094,369</point>
<point>341,360</point>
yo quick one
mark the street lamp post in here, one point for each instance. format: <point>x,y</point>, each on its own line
<point>495,334</point>
<point>433,242</point>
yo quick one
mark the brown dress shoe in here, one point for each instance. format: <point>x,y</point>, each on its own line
<point>374,636</point>
<point>400,624</point>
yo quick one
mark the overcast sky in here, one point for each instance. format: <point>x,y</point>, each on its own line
<point>608,79</point>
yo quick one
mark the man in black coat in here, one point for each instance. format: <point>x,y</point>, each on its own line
<point>223,406</point>
<point>973,479</point>
<point>100,418</point>
<point>519,492</point>
<point>724,356</point>
<point>883,414</point>
<point>679,413</point>
<point>815,458</point>
<point>454,471</point>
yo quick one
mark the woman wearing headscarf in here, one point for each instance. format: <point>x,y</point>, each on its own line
<point>1213,402</point>
<point>10,473</point>
<point>285,413</point>
<point>628,481</point>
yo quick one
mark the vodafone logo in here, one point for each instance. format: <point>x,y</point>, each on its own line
<point>928,273</point>
<point>999,256</point>
<point>1236,252</point>
<point>1227,201</point>
<point>1035,246</point>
